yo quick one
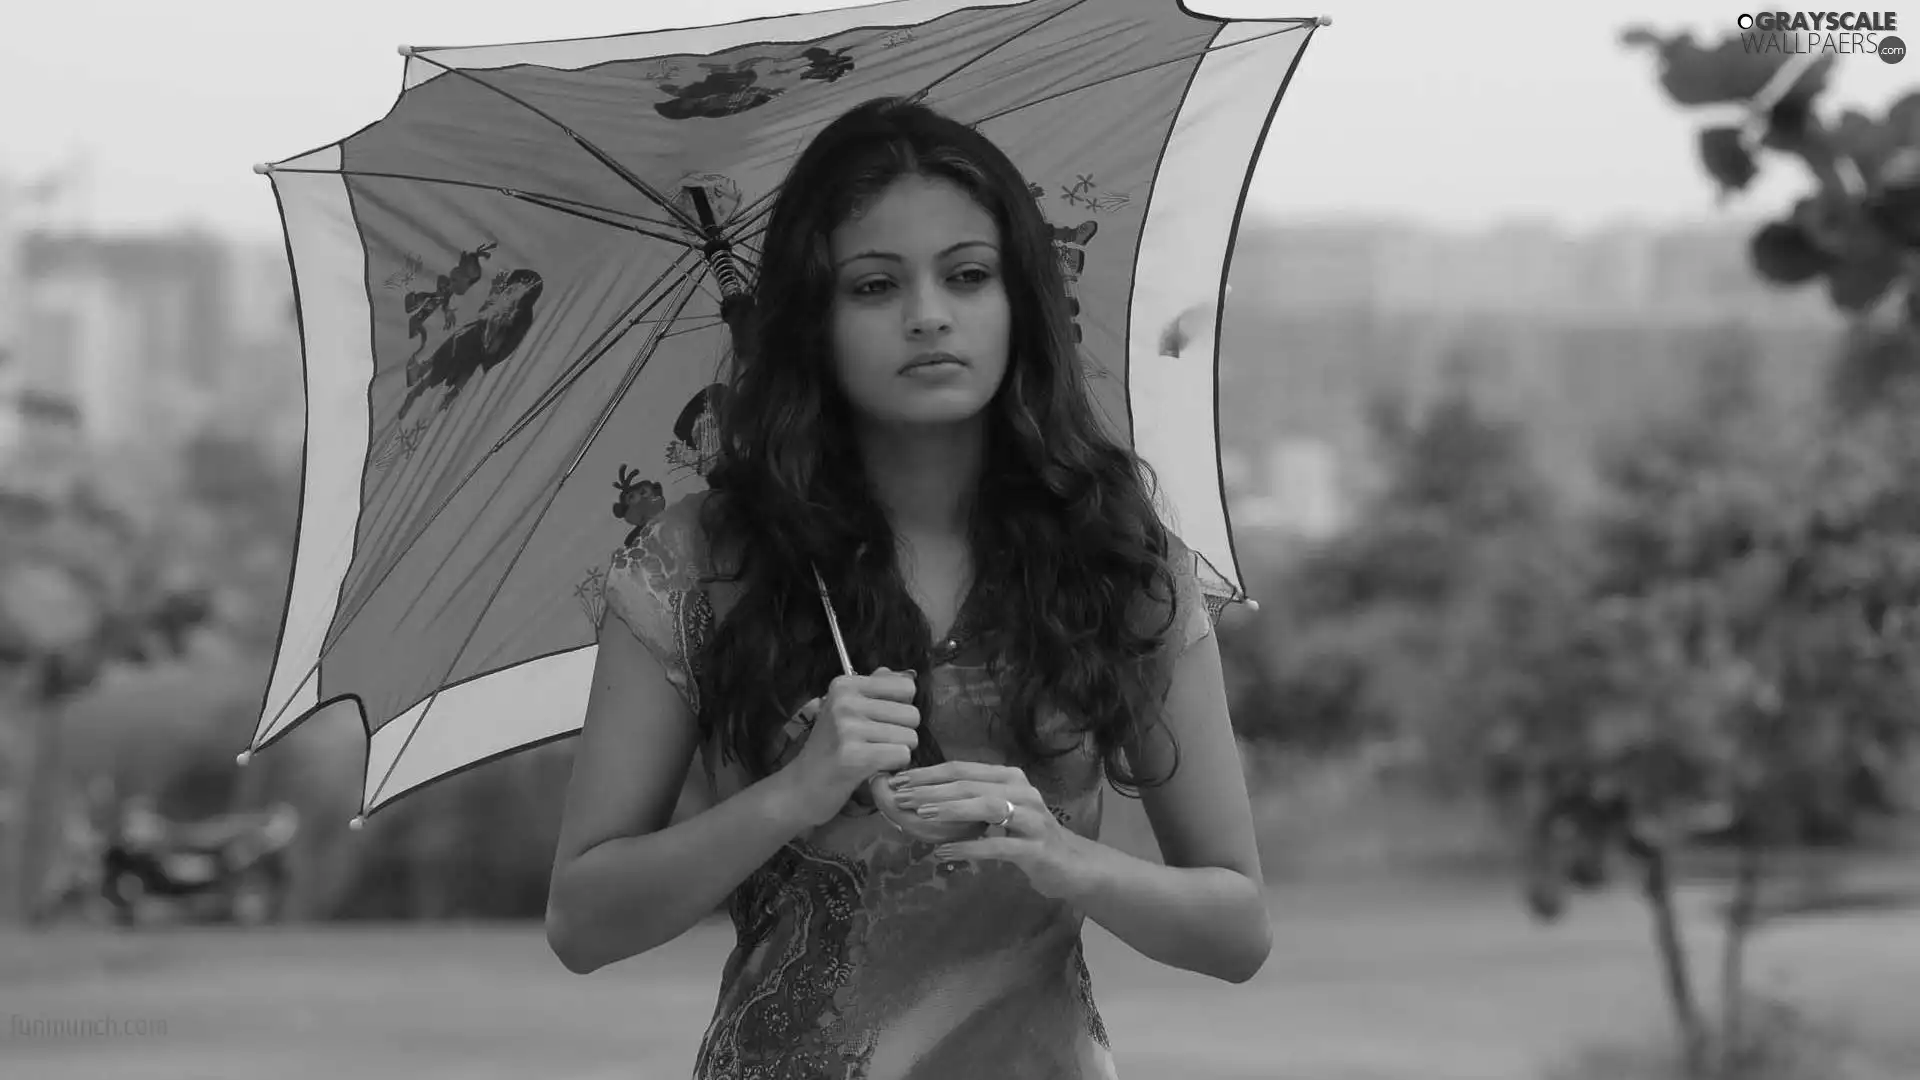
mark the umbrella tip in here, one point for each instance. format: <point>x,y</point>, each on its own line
<point>359,822</point>
<point>404,50</point>
<point>1325,20</point>
<point>262,168</point>
<point>242,758</point>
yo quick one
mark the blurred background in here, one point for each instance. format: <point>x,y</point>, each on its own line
<point>1568,390</point>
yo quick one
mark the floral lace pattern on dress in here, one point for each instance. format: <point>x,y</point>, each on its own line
<point>654,587</point>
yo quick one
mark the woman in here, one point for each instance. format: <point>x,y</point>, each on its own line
<point>909,418</point>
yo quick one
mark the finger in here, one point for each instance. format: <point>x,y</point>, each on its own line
<point>888,685</point>
<point>985,809</point>
<point>888,734</point>
<point>882,685</point>
<point>948,771</point>
<point>951,791</point>
<point>891,712</point>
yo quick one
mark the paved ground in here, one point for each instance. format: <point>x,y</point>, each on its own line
<point>1376,982</point>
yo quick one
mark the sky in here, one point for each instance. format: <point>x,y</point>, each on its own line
<point>1456,116</point>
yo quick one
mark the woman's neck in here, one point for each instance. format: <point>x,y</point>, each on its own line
<point>924,478</point>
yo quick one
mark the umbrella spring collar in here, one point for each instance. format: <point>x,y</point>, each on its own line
<point>726,269</point>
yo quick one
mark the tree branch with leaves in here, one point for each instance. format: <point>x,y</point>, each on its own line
<point>1858,230</point>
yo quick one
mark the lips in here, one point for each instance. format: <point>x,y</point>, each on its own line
<point>930,359</point>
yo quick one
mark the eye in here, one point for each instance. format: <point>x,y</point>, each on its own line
<point>974,275</point>
<point>871,287</point>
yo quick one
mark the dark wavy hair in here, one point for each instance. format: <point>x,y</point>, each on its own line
<point>1073,585</point>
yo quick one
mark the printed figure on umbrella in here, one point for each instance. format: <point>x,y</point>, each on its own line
<point>731,89</point>
<point>477,337</point>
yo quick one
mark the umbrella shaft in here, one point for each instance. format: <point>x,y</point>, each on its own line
<point>719,253</point>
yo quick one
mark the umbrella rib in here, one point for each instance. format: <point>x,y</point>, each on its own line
<point>760,205</point>
<point>560,203</point>
<point>747,223</point>
<point>688,286</point>
<point>668,237</point>
<point>560,386</point>
<point>695,329</point>
<point>758,212</point>
<point>1135,71</point>
<point>972,60</point>
<point>608,339</point>
<point>584,143</point>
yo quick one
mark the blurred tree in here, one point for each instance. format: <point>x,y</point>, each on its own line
<point>1735,656</point>
<point>474,846</point>
<point>235,502</point>
<point>1365,640</point>
<point>1858,230</point>
<point>1455,475</point>
<point>1875,364</point>
<point>80,591</point>
<point>1299,683</point>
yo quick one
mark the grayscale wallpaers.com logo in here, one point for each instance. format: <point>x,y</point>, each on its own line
<point>1853,32</point>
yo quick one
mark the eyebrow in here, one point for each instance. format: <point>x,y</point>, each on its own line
<point>891,257</point>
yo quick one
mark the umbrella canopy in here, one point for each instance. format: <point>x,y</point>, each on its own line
<point>512,289</point>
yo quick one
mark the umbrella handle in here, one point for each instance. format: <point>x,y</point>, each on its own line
<point>833,623</point>
<point>928,751</point>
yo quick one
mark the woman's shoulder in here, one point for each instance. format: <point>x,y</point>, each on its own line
<point>1191,616</point>
<point>668,570</point>
<point>657,586</point>
<point>670,550</point>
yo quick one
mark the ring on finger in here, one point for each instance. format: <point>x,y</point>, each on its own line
<point>1006,817</point>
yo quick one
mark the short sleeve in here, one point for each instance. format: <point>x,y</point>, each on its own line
<point>655,589</point>
<point>1192,614</point>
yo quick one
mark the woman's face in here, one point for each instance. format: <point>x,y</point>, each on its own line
<point>921,325</point>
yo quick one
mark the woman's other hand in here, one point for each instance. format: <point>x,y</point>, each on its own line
<point>1051,855</point>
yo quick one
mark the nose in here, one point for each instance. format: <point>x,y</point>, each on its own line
<point>927,312</point>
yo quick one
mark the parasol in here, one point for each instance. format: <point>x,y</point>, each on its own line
<point>515,288</point>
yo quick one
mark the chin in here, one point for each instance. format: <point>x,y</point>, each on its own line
<point>933,411</point>
<point>941,419</point>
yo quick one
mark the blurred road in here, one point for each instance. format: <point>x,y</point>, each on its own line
<point>1366,982</point>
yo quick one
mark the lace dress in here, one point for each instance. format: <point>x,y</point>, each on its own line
<point>858,956</point>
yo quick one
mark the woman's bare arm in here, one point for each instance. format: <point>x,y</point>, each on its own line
<point>1205,910</point>
<point>624,880</point>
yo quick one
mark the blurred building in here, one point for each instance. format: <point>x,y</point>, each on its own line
<point>1694,274</point>
<point>1580,335</point>
<point>11,315</point>
<point>261,390</point>
<point>128,331</point>
<point>1298,494</point>
<point>122,347</point>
